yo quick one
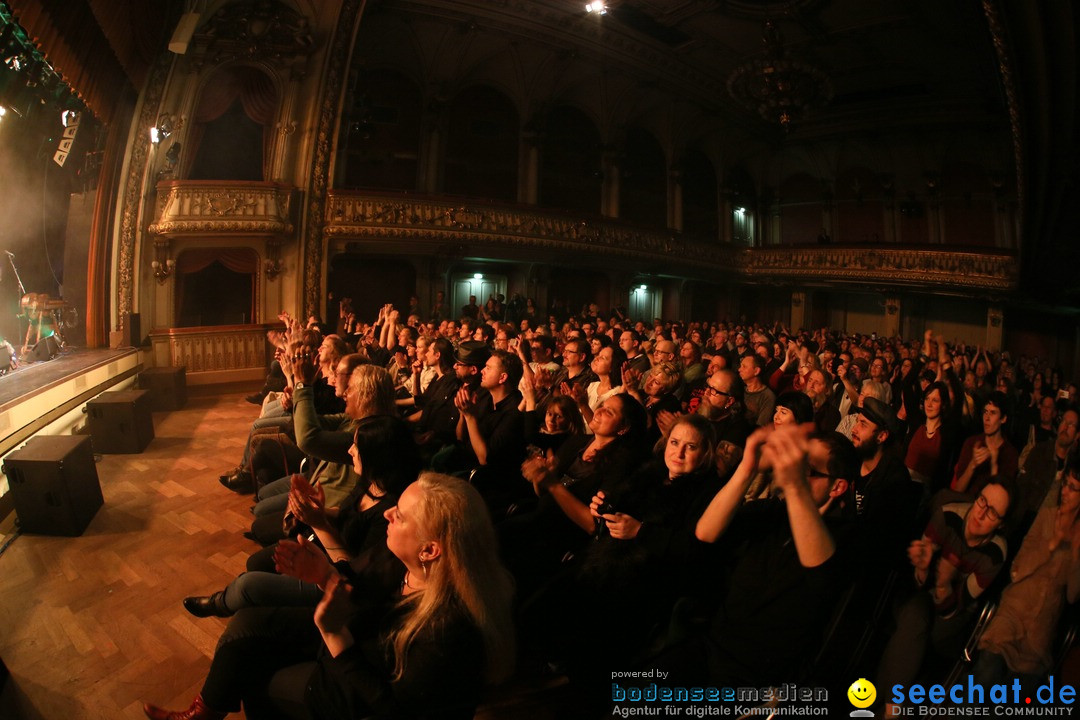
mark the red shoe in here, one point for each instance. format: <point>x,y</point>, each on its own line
<point>197,711</point>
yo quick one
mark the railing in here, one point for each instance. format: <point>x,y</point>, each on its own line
<point>214,354</point>
<point>355,216</point>
<point>198,207</point>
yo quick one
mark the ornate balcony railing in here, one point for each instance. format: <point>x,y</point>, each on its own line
<point>356,216</point>
<point>218,354</point>
<point>218,207</point>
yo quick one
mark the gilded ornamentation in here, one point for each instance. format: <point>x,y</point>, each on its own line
<point>255,29</point>
<point>1005,65</point>
<point>133,189</point>
<point>195,208</point>
<point>320,170</point>
<point>354,215</point>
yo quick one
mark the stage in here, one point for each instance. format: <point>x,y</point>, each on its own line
<point>39,394</point>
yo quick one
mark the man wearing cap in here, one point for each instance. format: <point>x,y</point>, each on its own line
<point>885,497</point>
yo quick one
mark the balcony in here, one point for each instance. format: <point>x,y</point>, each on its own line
<point>433,222</point>
<point>192,208</point>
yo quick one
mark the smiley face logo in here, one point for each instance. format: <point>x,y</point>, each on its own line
<point>862,693</point>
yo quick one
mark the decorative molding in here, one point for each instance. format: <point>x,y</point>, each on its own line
<point>133,187</point>
<point>329,110</point>
<point>432,222</point>
<point>255,29</point>
<point>1008,79</point>
<point>222,208</point>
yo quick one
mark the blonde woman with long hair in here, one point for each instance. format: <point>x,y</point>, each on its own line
<point>413,632</point>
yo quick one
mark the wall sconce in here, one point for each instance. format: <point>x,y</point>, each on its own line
<point>166,126</point>
<point>162,264</point>
<point>891,308</point>
<point>273,264</point>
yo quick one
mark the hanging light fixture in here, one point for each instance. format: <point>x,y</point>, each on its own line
<point>778,87</point>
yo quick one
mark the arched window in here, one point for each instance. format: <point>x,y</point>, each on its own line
<point>570,177</point>
<point>482,145</point>
<point>233,126</point>
<point>381,132</point>
<point>700,198</point>
<point>643,187</point>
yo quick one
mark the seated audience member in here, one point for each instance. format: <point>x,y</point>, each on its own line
<point>607,367</point>
<point>436,415</point>
<point>549,427</point>
<point>870,388</point>
<point>988,454</point>
<point>575,367</point>
<point>826,416</point>
<point>385,459</point>
<point>630,342</point>
<point>326,438</point>
<point>639,562</point>
<point>885,498</point>
<point>1044,577</point>
<point>415,633</point>
<point>759,402</point>
<point>722,406</point>
<point>1045,466</point>
<point>932,444</point>
<point>792,408</point>
<point>786,573</point>
<point>955,560</point>
<point>491,430</point>
<point>657,396</point>
<point>536,542</point>
<point>274,454</point>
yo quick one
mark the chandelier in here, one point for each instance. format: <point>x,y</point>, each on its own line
<point>778,87</point>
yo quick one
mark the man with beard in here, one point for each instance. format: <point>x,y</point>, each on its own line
<point>721,405</point>
<point>885,497</point>
<point>826,416</point>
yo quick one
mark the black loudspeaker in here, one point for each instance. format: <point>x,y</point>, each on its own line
<point>167,386</point>
<point>120,422</point>
<point>46,349</point>
<point>55,484</point>
<point>132,334</point>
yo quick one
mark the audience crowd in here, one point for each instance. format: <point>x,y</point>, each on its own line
<point>441,496</point>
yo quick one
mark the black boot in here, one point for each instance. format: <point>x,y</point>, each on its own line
<point>240,481</point>
<point>207,606</point>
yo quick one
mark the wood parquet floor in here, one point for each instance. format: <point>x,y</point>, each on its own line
<point>92,626</point>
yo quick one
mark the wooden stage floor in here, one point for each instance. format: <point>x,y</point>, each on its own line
<point>92,626</point>
<point>29,378</point>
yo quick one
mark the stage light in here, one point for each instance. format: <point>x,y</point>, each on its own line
<point>69,118</point>
<point>740,211</point>
<point>155,136</point>
<point>596,7</point>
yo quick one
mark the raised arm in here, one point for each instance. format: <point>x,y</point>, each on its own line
<point>717,516</point>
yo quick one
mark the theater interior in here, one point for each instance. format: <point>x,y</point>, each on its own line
<point>179,172</point>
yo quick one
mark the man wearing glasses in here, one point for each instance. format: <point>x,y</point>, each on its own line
<point>721,405</point>
<point>575,369</point>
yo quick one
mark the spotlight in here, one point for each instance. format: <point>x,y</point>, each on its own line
<point>69,118</point>
<point>596,7</point>
<point>740,211</point>
<point>155,135</point>
<point>3,111</point>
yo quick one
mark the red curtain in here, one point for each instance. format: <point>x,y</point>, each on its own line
<point>257,94</point>
<point>68,35</point>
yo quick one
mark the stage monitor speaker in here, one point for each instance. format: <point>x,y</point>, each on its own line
<point>120,422</point>
<point>55,484</point>
<point>167,386</point>
<point>46,349</point>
